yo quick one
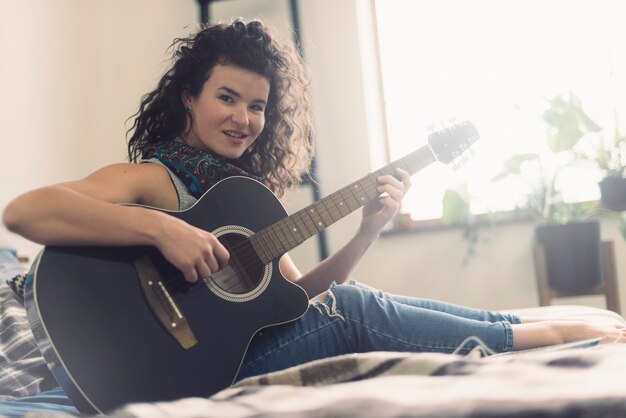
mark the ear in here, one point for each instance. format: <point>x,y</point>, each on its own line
<point>186,98</point>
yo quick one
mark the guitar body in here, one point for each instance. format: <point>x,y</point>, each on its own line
<point>105,344</point>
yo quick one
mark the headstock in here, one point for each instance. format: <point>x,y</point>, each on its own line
<point>450,143</point>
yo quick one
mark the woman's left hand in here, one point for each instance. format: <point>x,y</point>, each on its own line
<point>379,211</point>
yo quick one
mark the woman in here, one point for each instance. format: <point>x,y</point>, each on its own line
<point>235,103</point>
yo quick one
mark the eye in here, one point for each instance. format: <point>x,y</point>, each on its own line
<point>226,98</point>
<point>257,108</point>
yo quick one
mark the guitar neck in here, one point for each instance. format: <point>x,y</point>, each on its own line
<point>289,232</point>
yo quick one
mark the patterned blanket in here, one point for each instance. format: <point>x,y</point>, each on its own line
<point>22,369</point>
<point>566,383</point>
<point>554,382</point>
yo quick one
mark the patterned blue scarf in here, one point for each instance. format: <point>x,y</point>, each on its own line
<point>199,170</point>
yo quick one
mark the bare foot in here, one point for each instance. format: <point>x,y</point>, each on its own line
<point>540,334</point>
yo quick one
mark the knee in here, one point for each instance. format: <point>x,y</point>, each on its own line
<point>338,299</point>
<point>348,291</point>
<point>350,297</point>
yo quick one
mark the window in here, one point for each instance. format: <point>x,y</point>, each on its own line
<point>495,63</point>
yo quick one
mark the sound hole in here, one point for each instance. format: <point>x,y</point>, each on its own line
<point>244,270</point>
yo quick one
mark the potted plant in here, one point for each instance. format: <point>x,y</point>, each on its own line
<point>568,234</point>
<point>570,123</point>
<point>609,156</point>
<point>562,227</point>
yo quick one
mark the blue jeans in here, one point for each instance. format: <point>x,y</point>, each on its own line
<point>355,318</point>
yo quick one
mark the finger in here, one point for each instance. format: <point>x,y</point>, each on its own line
<point>221,255</point>
<point>391,203</point>
<point>390,180</point>
<point>209,265</point>
<point>389,207</point>
<point>191,275</point>
<point>394,193</point>
<point>406,178</point>
<point>205,270</point>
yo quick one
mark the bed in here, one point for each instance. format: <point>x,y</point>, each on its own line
<point>551,382</point>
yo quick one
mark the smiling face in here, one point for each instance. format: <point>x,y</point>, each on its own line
<point>229,113</point>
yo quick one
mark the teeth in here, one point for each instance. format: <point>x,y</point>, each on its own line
<point>237,135</point>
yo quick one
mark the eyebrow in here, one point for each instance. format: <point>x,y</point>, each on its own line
<point>236,94</point>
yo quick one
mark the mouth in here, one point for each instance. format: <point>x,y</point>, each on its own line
<point>236,136</point>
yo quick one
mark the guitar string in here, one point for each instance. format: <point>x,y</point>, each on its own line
<point>334,213</point>
<point>248,256</point>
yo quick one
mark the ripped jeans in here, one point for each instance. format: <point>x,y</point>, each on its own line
<point>355,318</point>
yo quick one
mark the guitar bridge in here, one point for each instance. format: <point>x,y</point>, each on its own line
<point>162,303</point>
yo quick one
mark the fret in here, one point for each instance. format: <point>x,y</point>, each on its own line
<point>263,236</point>
<point>286,234</point>
<point>272,237</point>
<point>306,220</point>
<point>374,186</point>
<point>418,160</point>
<point>326,213</point>
<point>359,195</point>
<point>295,229</point>
<point>368,188</point>
<point>269,242</point>
<point>349,198</point>
<point>313,212</point>
<point>260,249</point>
<point>276,245</point>
<point>388,169</point>
<point>340,204</point>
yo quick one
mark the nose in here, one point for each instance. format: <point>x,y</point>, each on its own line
<point>240,116</point>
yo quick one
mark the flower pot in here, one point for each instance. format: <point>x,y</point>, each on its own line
<point>613,193</point>
<point>573,254</point>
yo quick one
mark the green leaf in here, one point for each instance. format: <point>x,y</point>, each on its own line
<point>455,208</point>
<point>568,123</point>
<point>587,123</point>
<point>565,133</point>
<point>514,165</point>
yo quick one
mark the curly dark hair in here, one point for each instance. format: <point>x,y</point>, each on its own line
<point>283,151</point>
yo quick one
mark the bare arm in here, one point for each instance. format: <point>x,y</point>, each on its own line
<point>86,212</point>
<point>340,265</point>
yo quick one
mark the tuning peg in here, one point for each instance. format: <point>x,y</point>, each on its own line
<point>460,162</point>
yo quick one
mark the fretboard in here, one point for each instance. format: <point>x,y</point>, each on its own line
<point>289,232</point>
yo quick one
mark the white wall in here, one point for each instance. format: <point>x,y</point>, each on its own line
<point>72,71</point>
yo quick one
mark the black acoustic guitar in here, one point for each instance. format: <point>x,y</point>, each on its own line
<point>120,324</point>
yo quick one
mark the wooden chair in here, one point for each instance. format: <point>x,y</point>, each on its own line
<point>608,287</point>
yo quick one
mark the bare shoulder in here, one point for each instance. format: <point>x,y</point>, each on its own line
<point>146,184</point>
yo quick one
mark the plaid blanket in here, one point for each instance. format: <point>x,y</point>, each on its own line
<point>23,371</point>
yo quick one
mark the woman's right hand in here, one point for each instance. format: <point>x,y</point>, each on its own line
<point>195,252</point>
